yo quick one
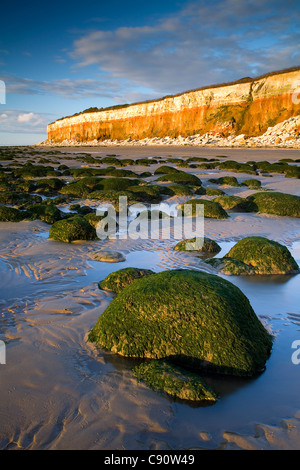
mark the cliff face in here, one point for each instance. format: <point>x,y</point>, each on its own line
<point>243,108</point>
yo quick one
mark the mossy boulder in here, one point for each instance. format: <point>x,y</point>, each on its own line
<point>225,180</point>
<point>212,210</point>
<point>251,183</point>
<point>276,203</point>
<point>154,214</point>
<point>264,256</point>
<point>118,184</point>
<point>209,246</point>
<point>117,280</point>
<point>175,382</point>
<point>214,192</point>
<point>10,214</point>
<point>166,170</point>
<point>190,317</point>
<point>11,197</point>
<point>234,203</point>
<point>230,267</point>
<point>46,212</point>
<point>179,190</point>
<point>113,197</point>
<point>93,218</point>
<point>72,229</point>
<point>180,177</point>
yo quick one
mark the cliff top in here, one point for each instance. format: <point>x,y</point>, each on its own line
<point>236,82</point>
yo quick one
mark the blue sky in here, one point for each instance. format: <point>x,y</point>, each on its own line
<point>59,58</point>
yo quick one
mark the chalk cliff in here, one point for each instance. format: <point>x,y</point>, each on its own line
<point>249,106</point>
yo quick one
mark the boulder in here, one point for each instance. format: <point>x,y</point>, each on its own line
<point>264,256</point>
<point>192,318</point>
<point>117,280</point>
<point>209,246</point>
<point>72,229</point>
<point>174,381</point>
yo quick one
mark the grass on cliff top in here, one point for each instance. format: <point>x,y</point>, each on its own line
<point>174,381</point>
<point>189,317</point>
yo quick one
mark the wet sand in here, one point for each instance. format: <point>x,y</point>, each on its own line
<point>60,392</point>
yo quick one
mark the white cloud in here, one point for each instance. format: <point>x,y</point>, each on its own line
<point>15,121</point>
<point>205,43</point>
<point>26,117</point>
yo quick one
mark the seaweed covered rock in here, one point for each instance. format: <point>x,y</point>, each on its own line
<point>276,203</point>
<point>72,229</point>
<point>46,212</point>
<point>231,267</point>
<point>234,203</point>
<point>178,383</point>
<point>212,210</point>
<point>264,256</point>
<point>251,183</point>
<point>180,177</point>
<point>208,246</point>
<point>225,180</point>
<point>10,214</point>
<point>190,317</point>
<point>117,280</point>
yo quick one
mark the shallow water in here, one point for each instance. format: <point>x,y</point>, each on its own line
<point>58,391</point>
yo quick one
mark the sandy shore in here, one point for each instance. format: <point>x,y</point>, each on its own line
<point>60,392</point>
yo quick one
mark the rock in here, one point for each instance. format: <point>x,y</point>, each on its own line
<point>234,203</point>
<point>117,280</point>
<point>180,177</point>
<point>72,229</point>
<point>276,203</point>
<point>107,256</point>
<point>9,214</point>
<point>193,318</point>
<point>212,209</point>
<point>264,256</point>
<point>225,180</point>
<point>230,267</point>
<point>164,377</point>
<point>46,212</point>
<point>251,183</point>
<point>209,246</point>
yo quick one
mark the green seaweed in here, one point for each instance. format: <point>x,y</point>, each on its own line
<point>174,381</point>
<point>118,280</point>
<point>192,318</point>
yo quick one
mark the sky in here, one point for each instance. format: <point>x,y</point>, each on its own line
<point>61,57</point>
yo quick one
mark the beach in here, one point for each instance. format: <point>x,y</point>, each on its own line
<point>59,391</point>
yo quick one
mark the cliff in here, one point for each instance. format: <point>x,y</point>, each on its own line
<point>248,107</point>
